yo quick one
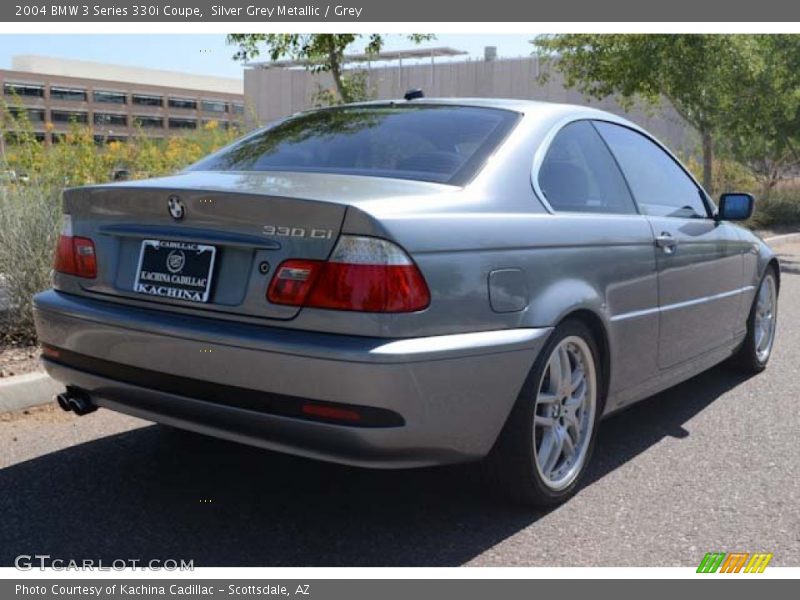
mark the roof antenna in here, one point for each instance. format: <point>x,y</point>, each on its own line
<point>414,94</point>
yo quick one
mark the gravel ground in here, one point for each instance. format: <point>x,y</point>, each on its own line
<point>18,360</point>
<point>711,465</point>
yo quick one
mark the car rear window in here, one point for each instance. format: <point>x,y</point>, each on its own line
<point>444,144</point>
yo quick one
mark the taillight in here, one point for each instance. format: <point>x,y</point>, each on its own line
<point>363,274</point>
<point>75,255</point>
<point>292,281</point>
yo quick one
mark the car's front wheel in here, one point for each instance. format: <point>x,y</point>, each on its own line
<point>757,346</point>
<point>548,439</point>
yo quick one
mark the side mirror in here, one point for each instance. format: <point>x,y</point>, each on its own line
<point>736,206</point>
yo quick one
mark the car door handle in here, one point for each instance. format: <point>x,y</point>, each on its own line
<point>666,242</point>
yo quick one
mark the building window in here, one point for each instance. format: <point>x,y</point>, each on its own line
<point>147,100</point>
<point>107,139</point>
<point>16,137</point>
<point>110,119</point>
<point>183,123</point>
<point>68,116</point>
<point>214,106</point>
<point>237,109</point>
<point>148,122</point>
<point>72,94</point>
<point>220,123</point>
<point>110,97</point>
<point>23,89</point>
<point>186,103</point>
<point>34,115</point>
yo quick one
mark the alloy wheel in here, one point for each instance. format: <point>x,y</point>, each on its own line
<point>765,318</point>
<point>564,413</point>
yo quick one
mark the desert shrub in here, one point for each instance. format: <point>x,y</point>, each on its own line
<point>776,206</point>
<point>727,175</point>
<point>29,224</point>
<point>32,176</point>
<point>781,207</point>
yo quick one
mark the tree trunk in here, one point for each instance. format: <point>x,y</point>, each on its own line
<point>336,73</point>
<point>708,161</point>
<point>337,80</point>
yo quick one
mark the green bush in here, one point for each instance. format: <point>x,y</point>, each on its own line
<point>29,225</point>
<point>31,177</point>
<point>780,208</point>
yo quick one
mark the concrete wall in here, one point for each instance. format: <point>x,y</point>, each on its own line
<point>274,93</point>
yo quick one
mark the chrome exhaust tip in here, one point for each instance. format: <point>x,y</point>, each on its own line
<point>77,401</point>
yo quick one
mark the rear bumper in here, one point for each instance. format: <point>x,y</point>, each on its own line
<point>451,393</point>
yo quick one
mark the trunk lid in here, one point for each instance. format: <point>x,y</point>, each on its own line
<point>253,221</point>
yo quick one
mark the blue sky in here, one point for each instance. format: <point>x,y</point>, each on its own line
<point>206,54</point>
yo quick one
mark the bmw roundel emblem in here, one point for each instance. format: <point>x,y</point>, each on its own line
<point>177,209</point>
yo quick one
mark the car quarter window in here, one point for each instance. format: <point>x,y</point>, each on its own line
<point>659,185</point>
<point>578,174</point>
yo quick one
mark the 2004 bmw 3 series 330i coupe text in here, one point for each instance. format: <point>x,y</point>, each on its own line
<point>410,283</point>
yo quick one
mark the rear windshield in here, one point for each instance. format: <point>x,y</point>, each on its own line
<point>444,144</point>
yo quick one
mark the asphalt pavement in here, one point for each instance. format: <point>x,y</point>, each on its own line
<point>710,465</point>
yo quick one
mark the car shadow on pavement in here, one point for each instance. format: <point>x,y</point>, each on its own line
<point>158,493</point>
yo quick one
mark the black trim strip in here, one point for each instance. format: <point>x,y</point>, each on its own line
<point>216,393</point>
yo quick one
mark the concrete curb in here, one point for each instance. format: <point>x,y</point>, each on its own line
<point>24,391</point>
<point>779,240</point>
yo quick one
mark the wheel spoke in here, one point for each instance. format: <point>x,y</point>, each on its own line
<point>546,398</point>
<point>554,451</point>
<point>577,379</point>
<point>556,373</point>
<point>542,421</point>
<point>568,444</point>
<point>566,371</point>
<point>572,421</point>
<point>576,401</point>
<point>546,448</point>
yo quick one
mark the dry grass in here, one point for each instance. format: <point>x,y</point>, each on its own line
<point>30,220</point>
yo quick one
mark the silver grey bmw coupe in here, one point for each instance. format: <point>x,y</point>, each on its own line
<point>409,283</point>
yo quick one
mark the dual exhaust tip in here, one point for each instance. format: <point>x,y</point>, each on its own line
<point>76,400</point>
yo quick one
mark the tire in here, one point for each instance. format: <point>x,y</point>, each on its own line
<point>520,464</point>
<point>753,355</point>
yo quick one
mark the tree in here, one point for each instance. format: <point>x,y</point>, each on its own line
<point>696,74</point>
<point>321,52</point>
<point>761,124</point>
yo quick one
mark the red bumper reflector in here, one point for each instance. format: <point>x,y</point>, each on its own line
<point>50,351</point>
<point>331,412</point>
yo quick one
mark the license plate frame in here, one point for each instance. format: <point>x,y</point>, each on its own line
<point>175,270</point>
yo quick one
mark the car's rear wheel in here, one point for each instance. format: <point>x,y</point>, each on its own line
<point>756,349</point>
<point>548,439</point>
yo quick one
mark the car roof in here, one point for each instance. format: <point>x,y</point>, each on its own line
<point>515,104</point>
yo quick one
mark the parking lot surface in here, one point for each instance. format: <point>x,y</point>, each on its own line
<point>711,465</point>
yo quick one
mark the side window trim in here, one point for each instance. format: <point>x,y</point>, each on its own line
<point>704,197</point>
<point>541,153</point>
<point>619,167</point>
